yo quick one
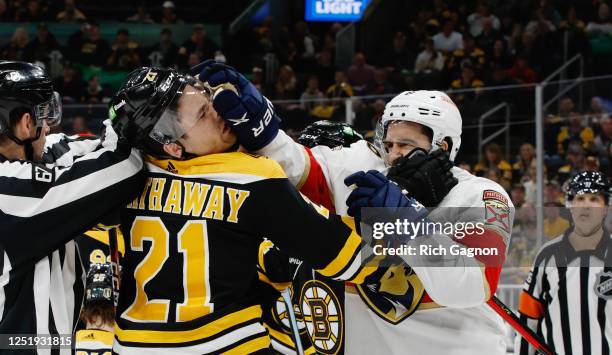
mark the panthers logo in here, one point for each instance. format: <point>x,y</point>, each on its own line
<point>393,293</point>
<point>322,314</point>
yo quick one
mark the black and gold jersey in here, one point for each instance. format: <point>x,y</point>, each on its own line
<point>93,342</point>
<point>189,275</point>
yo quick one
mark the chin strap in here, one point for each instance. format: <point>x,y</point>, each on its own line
<point>26,143</point>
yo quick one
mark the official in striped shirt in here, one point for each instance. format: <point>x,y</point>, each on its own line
<point>567,297</point>
<point>46,199</point>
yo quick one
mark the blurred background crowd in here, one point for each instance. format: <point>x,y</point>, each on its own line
<point>462,47</point>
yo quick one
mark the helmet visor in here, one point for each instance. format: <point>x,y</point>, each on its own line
<point>50,111</point>
<point>190,105</point>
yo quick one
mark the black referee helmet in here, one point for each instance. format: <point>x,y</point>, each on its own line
<point>593,182</point>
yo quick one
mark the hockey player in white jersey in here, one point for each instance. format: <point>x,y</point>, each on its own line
<point>452,317</point>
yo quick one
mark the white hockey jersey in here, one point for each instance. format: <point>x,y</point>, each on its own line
<point>465,325</point>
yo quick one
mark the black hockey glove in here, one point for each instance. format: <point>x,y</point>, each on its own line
<point>426,177</point>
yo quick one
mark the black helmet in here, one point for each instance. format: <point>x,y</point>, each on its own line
<point>27,86</point>
<point>329,133</point>
<point>99,284</point>
<point>144,109</point>
<point>593,182</point>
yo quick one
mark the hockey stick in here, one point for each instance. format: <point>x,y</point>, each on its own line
<point>114,255</point>
<point>293,321</point>
<point>506,313</point>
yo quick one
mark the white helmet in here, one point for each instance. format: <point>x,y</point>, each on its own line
<point>433,109</point>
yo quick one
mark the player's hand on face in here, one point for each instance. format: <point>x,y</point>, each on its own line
<point>373,189</point>
<point>426,177</point>
<point>248,113</point>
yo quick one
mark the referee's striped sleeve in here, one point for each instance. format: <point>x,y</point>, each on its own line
<point>42,207</point>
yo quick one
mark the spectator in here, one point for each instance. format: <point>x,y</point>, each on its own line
<point>596,112</point>
<point>468,55</point>
<point>493,160</point>
<point>429,60</point>
<point>575,162</point>
<point>488,36</point>
<point>360,74</point>
<point>141,15</point>
<point>304,41</point>
<point>94,50</point>
<point>198,42</point>
<point>448,40</point>
<point>553,192</point>
<point>495,175</point>
<point>125,52</point>
<point>601,26</point>
<point>468,80</point>
<point>168,15</point>
<point>70,13</point>
<point>523,162</point>
<point>286,85</point>
<point>477,19</point>
<point>554,123</point>
<point>69,85</point>
<point>257,78</point>
<point>39,48</point>
<point>522,72</point>
<point>517,194</point>
<point>574,28</point>
<point>164,52</point>
<point>33,13</point>
<point>400,56</point>
<point>15,49</point>
<point>602,146</point>
<point>94,93</point>
<point>554,224</point>
<point>341,87</point>
<point>577,132</point>
<point>324,69</point>
<point>499,56</point>
<point>539,22</point>
<point>79,126</point>
<point>381,84</point>
<point>529,181</point>
<point>312,96</point>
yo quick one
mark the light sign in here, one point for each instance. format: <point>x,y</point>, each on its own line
<point>335,10</point>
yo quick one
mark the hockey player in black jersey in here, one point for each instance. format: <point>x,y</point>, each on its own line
<point>189,274</point>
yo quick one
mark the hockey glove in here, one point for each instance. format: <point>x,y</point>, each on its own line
<point>248,113</point>
<point>427,178</point>
<point>373,189</point>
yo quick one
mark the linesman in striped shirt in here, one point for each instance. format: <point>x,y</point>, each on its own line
<point>567,297</point>
<point>52,189</point>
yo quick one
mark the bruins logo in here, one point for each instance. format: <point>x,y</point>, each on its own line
<point>322,314</point>
<point>281,316</point>
<point>393,293</point>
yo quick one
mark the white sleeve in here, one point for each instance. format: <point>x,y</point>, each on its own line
<point>461,282</point>
<point>291,156</point>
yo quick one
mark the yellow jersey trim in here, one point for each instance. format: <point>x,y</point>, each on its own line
<point>222,163</point>
<point>201,333</point>
<point>250,346</point>
<point>101,336</point>
<point>350,248</point>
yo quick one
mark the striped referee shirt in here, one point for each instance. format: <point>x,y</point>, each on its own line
<point>570,305</point>
<point>42,207</point>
